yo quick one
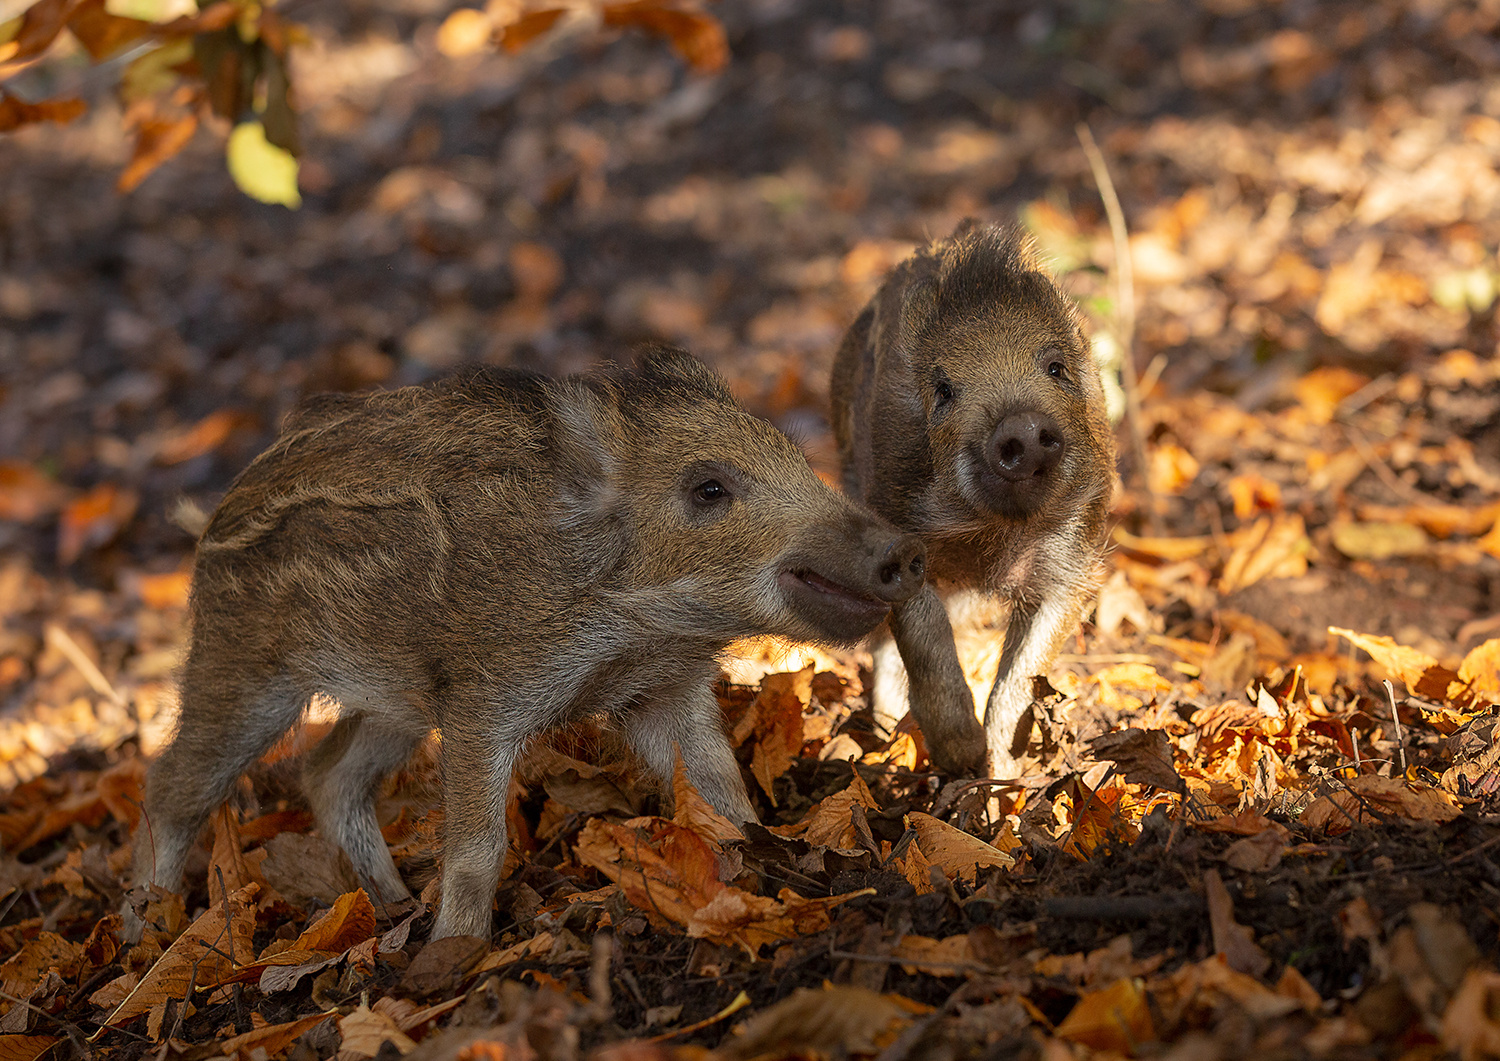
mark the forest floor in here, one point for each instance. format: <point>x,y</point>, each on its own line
<point>1232,838</point>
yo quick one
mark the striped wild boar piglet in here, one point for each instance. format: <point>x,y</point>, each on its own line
<point>968,408</point>
<point>492,557</point>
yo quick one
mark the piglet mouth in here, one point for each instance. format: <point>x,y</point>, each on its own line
<point>834,610</point>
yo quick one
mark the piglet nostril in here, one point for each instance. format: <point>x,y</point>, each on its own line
<point>1024,445</point>
<point>900,568</point>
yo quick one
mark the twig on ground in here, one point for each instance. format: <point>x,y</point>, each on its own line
<point>61,640</point>
<point>1390,694</point>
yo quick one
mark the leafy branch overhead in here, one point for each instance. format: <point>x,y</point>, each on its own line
<point>179,65</point>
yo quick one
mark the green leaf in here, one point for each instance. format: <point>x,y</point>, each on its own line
<point>262,170</point>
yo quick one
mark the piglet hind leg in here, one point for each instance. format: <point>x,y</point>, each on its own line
<point>1032,637</point>
<point>221,733</point>
<point>687,716</point>
<point>479,754</point>
<point>936,688</point>
<point>342,777</point>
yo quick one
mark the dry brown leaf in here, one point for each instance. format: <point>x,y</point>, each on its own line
<point>828,822</point>
<point>350,920</point>
<point>1234,941</point>
<point>778,729</point>
<point>697,36</point>
<point>1169,549</point>
<point>156,141</point>
<point>94,519</point>
<point>1094,821</point>
<point>934,957</point>
<point>260,1044</point>
<point>1470,1028</point>
<point>203,437</point>
<point>26,1047</point>
<point>1320,390</point>
<point>843,1019</point>
<point>1143,756</point>
<point>692,811</point>
<point>1171,469</point>
<point>364,1032</point>
<point>228,872</point>
<point>1116,1018</point>
<point>1251,493</point>
<point>48,952</point>
<point>1441,521</point>
<point>954,851</point>
<point>26,494</point>
<point>1364,799</point>
<point>1416,669</point>
<point>202,955</point>
<point>535,947</point>
<point>1272,547</point>
<point>667,871</point>
<point>1260,853</point>
<point>1481,670</point>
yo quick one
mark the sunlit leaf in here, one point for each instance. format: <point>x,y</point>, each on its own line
<point>1116,1018</point>
<point>152,10</point>
<point>260,169</point>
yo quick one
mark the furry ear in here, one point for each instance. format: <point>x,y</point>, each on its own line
<point>965,226</point>
<point>585,444</point>
<point>680,373</point>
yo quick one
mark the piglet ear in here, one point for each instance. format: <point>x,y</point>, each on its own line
<point>679,372</point>
<point>584,447</point>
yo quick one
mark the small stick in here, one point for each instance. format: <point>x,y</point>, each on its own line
<point>1390,694</point>
<point>59,639</point>
<point>1125,312</point>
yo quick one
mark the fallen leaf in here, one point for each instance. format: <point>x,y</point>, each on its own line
<point>1116,1018</point>
<point>364,1032</point>
<point>26,494</point>
<point>204,954</point>
<point>94,519</point>
<point>1470,1027</point>
<point>1365,798</point>
<point>1272,547</point>
<point>16,112</point>
<point>26,1047</point>
<point>835,1019</point>
<point>934,957</point>
<point>1143,756</point>
<point>156,141</point>
<point>203,437</point>
<point>1378,541</point>
<point>1234,941</point>
<point>956,852</point>
<point>778,730</point>
<point>692,811</point>
<point>1481,670</point>
<point>260,1044</point>
<point>697,36</point>
<point>1414,668</point>
<point>1171,469</point>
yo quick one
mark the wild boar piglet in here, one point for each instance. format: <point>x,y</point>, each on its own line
<point>492,557</point>
<point>968,409</point>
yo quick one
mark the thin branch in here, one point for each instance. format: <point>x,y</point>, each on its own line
<point>59,639</point>
<point>1124,276</point>
<point>1390,694</point>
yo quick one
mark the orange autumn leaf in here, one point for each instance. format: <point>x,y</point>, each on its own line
<point>1252,493</point>
<point>156,141</point>
<point>1420,672</point>
<point>958,853</point>
<point>159,592</point>
<point>1481,670</point>
<point>1364,799</point>
<point>1117,1018</point>
<point>48,952</point>
<point>26,1047</point>
<point>828,823</point>
<point>698,37</point>
<point>204,954</point>
<point>26,494</point>
<point>529,27</point>
<point>268,1042</point>
<point>203,437</point>
<point>1171,469</point>
<point>778,729</point>
<point>1269,548</point>
<point>94,520</point>
<point>694,812</point>
<point>667,871</point>
<point>15,113</point>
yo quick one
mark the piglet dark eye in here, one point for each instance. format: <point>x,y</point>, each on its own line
<point>943,392</point>
<point>709,492</point>
<point>1056,370</point>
